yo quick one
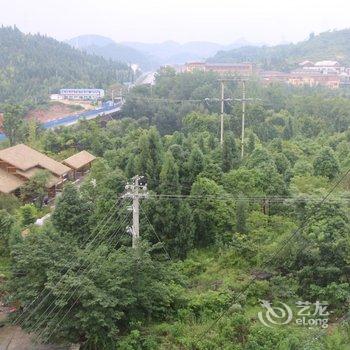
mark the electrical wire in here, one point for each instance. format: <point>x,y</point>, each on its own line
<point>40,335</point>
<point>156,234</point>
<point>82,270</point>
<point>286,242</point>
<point>104,223</point>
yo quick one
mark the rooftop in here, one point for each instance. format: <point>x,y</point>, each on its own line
<point>327,64</point>
<point>9,182</point>
<point>24,158</point>
<point>79,160</point>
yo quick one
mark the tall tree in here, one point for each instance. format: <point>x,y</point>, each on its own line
<point>150,156</point>
<point>71,214</point>
<point>229,153</point>
<point>241,216</point>
<point>195,164</point>
<point>36,188</point>
<point>169,175</point>
<point>325,164</point>
<point>13,123</point>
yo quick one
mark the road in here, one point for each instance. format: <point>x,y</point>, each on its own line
<point>146,78</point>
<point>73,119</point>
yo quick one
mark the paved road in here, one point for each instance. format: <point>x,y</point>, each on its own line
<point>73,119</point>
<point>146,78</point>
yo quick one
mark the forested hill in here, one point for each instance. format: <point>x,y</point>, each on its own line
<point>331,45</point>
<point>33,66</point>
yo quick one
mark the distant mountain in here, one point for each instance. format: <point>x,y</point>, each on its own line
<point>331,45</point>
<point>151,55</point>
<point>107,48</point>
<point>89,40</point>
<point>171,52</point>
<point>33,66</point>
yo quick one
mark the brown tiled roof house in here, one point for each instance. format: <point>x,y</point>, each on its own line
<point>80,163</point>
<point>20,163</point>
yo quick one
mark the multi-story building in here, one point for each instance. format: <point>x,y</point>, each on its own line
<point>82,94</point>
<point>323,67</point>
<point>238,69</point>
<point>314,78</point>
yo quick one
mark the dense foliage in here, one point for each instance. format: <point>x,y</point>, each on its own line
<point>34,66</point>
<point>219,233</point>
<point>333,45</point>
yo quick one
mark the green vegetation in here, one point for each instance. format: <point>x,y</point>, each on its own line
<point>34,66</point>
<point>218,233</point>
<point>328,45</point>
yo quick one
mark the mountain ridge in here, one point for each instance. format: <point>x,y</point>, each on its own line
<point>34,65</point>
<point>329,45</point>
<point>151,55</point>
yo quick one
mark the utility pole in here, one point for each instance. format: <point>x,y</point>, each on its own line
<point>244,100</point>
<point>136,191</point>
<point>243,117</point>
<point>222,113</point>
<point>222,100</point>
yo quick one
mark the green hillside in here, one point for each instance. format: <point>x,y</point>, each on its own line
<point>332,45</point>
<point>33,66</point>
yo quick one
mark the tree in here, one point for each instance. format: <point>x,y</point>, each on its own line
<point>36,188</point>
<point>169,176</point>
<point>6,226</point>
<point>195,164</point>
<point>150,156</point>
<point>13,123</point>
<point>71,214</point>
<point>241,216</point>
<point>325,164</point>
<point>119,289</point>
<point>213,212</point>
<point>229,153</point>
<point>28,215</point>
<point>171,217</point>
<point>288,131</point>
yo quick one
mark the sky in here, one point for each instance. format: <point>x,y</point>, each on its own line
<point>221,21</point>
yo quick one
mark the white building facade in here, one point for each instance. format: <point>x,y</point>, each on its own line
<point>82,94</point>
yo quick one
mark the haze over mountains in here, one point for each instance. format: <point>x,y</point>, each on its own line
<point>152,55</point>
<point>330,45</point>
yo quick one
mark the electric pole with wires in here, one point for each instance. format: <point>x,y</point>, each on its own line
<point>222,100</point>
<point>136,191</point>
<point>244,100</point>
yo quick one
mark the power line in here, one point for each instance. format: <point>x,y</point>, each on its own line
<point>286,242</point>
<point>104,222</point>
<point>47,295</point>
<point>58,309</point>
<point>156,234</point>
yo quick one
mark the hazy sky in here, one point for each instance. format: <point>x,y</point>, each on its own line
<point>221,21</point>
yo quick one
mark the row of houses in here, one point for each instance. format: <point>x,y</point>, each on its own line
<point>239,69</point>
<point>18,164</point>
<point>329,74</point>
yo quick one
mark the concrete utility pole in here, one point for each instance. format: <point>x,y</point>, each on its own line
<point>222,100</point>
<point>136,191</point>
<point>243,117</point>
<point>244,100</point>
<point>222,113</point>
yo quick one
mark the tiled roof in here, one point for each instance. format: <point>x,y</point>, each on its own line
<point>79,160</point>
<point>24,158</point>
<point>9,182</point>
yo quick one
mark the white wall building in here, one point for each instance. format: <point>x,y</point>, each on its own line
<point>82,94</point>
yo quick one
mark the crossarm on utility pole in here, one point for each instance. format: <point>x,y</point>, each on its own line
<point>136,191</point>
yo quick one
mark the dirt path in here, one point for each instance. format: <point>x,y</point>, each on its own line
<point>13,338</point>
